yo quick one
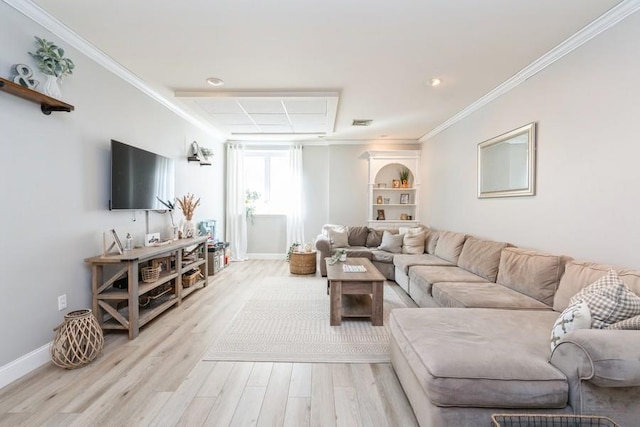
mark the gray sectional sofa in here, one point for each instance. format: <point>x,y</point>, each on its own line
<point>480,342</point>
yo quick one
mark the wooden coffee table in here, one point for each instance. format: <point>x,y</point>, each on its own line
<point>355,294</point>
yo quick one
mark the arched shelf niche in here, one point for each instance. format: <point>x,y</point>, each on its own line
<point>391,206</point>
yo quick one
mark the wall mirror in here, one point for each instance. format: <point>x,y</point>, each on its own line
<point>507,164</point>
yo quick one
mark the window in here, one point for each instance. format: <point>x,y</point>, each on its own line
<point>267,174</point>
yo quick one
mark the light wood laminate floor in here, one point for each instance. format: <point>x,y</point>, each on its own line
<point>160,379</point>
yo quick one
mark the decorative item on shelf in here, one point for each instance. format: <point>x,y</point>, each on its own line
<point>380,215</point>
<point>150,274</point>
<point>409,217</point>
<point>151,239</point>
<point>173,229</point>
<point>128,242</point>
<point>395,183</point>
<point>78,340</point>
<point>115,243</point>
<point>188,205</point>
<point>200,154</point>
<point>404,198</point>
<point>381,185</point>
<point>190,278</point>
<point>293,248</point>
<point>308,247</point>
<point>404,217</point>
<point>379,200</point>
<point>51,61</point>
<point>250,198</point>
<point>404,177</point>
<point>24,76</point>
<point>386,201</point>
<point>339,255</point>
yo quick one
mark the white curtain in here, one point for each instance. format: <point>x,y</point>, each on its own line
<point>236,222</point>
<point>295,224</point>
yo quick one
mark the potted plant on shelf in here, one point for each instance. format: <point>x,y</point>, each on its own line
<point>404,177</point>
<point>51,61</point>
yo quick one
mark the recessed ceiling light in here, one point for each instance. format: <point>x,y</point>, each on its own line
<point>435,81</point>
<point>214,81</point>
<point>359,122</point>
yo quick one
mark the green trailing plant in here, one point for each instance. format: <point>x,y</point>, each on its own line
<point>404,174</point>
<point>336,256</point>
<point>50,59</point>
<point>250,204</point>
<point>291,250</point>
<point>206,152</point>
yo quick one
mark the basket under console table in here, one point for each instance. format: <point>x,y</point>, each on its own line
<point>123,301</point>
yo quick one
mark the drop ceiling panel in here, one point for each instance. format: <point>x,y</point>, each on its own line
<point>270,119</point>
<point>232,119</point>
<point>308,119</point>
<point>253,106</point>
<point>219,105</point>
<point>306,107</point>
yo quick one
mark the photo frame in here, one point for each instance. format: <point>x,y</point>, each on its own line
<point>117,241</point>
<point>111,241</point>
<point>404,198</point>
<point>380,215</point>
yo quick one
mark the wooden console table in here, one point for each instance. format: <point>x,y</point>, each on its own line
<point>119,309</point>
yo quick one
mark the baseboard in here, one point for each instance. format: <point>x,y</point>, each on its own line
<point>23,365</point>
<point>280,257</point>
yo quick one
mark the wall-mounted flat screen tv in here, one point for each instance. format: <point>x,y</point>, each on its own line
<point>139,178</point>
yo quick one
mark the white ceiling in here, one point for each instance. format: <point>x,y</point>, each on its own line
<point>378,55</point>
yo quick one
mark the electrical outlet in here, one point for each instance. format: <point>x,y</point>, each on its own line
<point>62,302</point>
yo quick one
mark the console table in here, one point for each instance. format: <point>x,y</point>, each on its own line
<point>120,308</point>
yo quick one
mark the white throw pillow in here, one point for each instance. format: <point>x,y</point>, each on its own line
<point>576,316</point>
<point>339,236</point>
<point>391,242</point>
<point>410,230</point>
<point>413,243</point>
<point>610,300</point>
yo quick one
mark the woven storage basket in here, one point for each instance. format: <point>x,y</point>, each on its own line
<point>189,279</point>
<point>151,274</point>
<point>302,263</point>
<point>78,340</point>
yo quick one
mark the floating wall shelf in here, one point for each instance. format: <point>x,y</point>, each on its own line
<point>47,104</point>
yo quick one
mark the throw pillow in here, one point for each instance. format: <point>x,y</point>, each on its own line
<point>631,323</point>
<point>374,238</point>
<point>413,243</point>
<point>576,316</point>
<point>391,242</point>
<point>409,230</point>
<point>358,235</point>
<point>610,300</point>
<point>339,237</point>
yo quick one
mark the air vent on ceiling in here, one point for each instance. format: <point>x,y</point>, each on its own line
<point>357,122</point>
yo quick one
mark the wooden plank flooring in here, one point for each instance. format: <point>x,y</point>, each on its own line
<point>159,378</point>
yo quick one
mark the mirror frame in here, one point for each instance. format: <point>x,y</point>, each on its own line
<point>530,190</point>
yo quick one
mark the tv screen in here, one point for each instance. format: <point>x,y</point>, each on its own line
<point>139,178</point>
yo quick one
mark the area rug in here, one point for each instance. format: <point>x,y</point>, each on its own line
<point>287,320</point>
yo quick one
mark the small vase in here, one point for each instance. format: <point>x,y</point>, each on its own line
<point>51,87</point>
<point>405,183</point>
<point>188,229</point>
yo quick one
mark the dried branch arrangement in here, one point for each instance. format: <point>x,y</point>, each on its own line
<point>188,205</point>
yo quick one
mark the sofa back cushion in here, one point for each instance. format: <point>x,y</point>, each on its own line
<point>580,274</point>
<point>450,245</point>
<point>481,257</point>
<point>357,236</point>
<point>413,243</point>
<point>532,273</point>
<point>431,240</point>
<point>374,236</point>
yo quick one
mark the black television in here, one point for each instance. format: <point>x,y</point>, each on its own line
<point>140,178</point>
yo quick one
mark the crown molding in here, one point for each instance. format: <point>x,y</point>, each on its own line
<point>601,24</point>
<point>41,17</point>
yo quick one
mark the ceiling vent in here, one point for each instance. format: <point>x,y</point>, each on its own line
<point>361,122</point>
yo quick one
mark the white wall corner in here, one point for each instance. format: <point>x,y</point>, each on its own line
<point>23,365</point>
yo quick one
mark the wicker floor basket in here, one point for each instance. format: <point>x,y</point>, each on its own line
<point>532,420</point>
<point>78,340</point>
<point>302,263</point>
<point>151,274</point>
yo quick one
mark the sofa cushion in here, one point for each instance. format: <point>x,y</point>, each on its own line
<point>357,236</point>
<point>413,243</point>
<point>431,240</point>
<point>609,299</point>
<point>483,295</point>
<point>404,261</point>
<point>338,235</point>
<point>357,252</point>
<point>374,238</point>
<point>481,257</point>
<point>576,316</point>
<point>391,242</point>
<point>422,277</point>
<point>473,357</point>
<point>579,274</point>
<point>532,273</point>
<point>382,256</point>
<point>450,245</point>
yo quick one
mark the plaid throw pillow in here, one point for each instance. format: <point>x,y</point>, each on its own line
<point>609,299</point>
<point>632,323</point>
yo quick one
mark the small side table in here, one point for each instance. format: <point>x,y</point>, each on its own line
<point>302,262</point>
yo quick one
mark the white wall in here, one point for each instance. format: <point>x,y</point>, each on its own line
<point>55,184</point>
<point>588,186</point>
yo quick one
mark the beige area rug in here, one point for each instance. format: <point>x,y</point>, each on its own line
<point>287,320</point>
